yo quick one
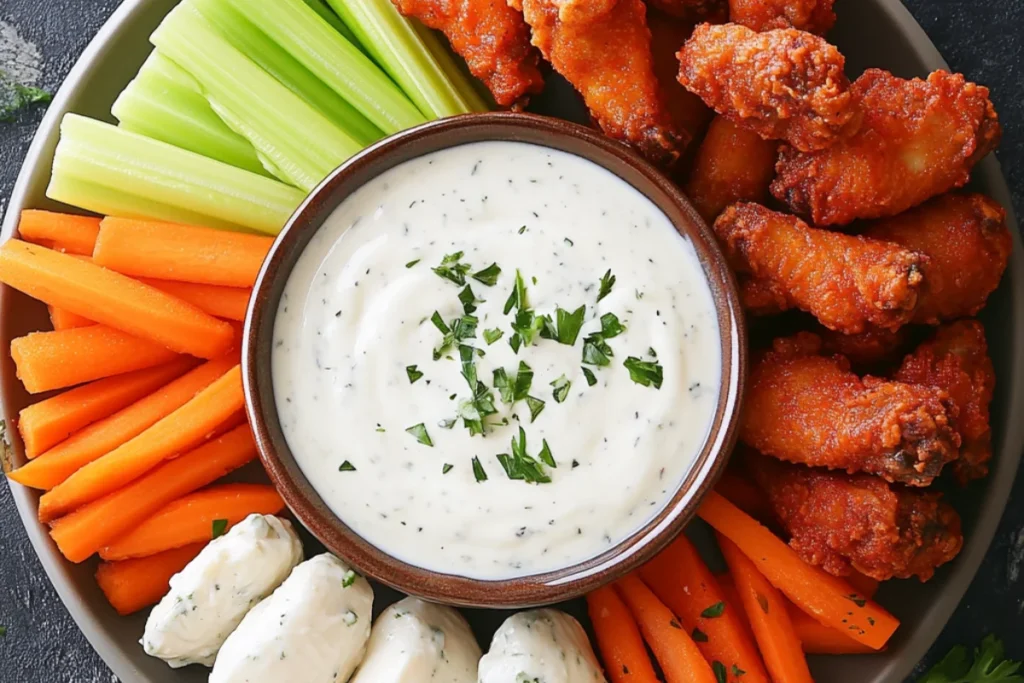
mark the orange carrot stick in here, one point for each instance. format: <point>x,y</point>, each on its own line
<point>769,619</point>
<point>682,581</point>
<point>64,320</point>
<point>618,638</point>
<point>64,358</point>
<point>678,656</point>
<point>102,521</point>
<point>134,584</point>
<point>110,298</point>
<point>188,253</point>
<point>828,599</point>
<point>221,302</point>
<point>745,495</point>
<point>818,639</point>
<point>63,231</point>
<point>50,421</point>
<point>190,519</point>
<point>100,438</point>
<point>174,434</point>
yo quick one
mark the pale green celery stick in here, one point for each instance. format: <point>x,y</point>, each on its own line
<point>332,59</point>
<point>393,41</point>
<point>457,73</point>
<point>328,15</point>
<point>162,108</point>
<point>275,60</point>
<point>110,170</point>
<point>294,141</point>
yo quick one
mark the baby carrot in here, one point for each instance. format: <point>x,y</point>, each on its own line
<point>62,231</point>
<point>131,585</point>
<point>618,638</point>
<point>64,320</point>
<point>228,303</point>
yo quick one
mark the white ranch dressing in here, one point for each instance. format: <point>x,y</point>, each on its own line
<point>354,315</point>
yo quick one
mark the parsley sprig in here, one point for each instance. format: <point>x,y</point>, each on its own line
<point>989,666</point>
<point>523,467</point>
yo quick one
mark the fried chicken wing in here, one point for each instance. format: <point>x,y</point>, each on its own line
<point>844,522</point>
<point>761,297</point>
<point>846,281</point>
<point>782,84</point>
<point>693,10</point>
<point>688,113</point>
<point>968,246</point>
<point>733,164</point>
<point>872,349</point>
<point>492,37</point>
<point>813,16</point>
<point>956,360</point>
<point>806,408</point>
<point>603,48</point>
<point>916,139</point>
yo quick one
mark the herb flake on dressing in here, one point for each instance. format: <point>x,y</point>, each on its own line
<point>488,276</point>
<point>478,470</point>
<point>446,468</point>
<point>413,373</point>
<point>492,335</point>
<point>562,386</point>
<point>607,282</point>
<point>644,372</point>
<point>347,466</point>
<point>419,432</point>
<point>412,263</point>
<point>452,269</point>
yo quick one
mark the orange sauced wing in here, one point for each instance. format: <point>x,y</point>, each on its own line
<point>813,16</point>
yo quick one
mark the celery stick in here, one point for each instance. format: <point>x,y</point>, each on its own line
<point>334,60</point>
<point>163,109</point>
<point>107,169</point>
<point>275,60</point>
<point>394,43</point>
<point>328,15</point>
<point>294,141</point>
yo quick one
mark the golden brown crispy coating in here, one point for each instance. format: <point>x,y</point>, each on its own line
<point>783,84</point>
<point>846,281</point>
<point>688,113</point>
<point>968,246</point>
<point>733,165</point>
<point>872,349</point>
<point>693,10</point>
<point>916,139</point>
<point>492,37</point>
<point>813,16</point>
<point>806,408</point>
<point>957,361</point>
<point>604,49</point>
<point>761,297</point>
<point>844,522</point>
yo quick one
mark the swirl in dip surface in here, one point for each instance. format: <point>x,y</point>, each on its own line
<point>389,436</point>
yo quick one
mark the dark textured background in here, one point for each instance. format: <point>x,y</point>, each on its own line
<point>983,39</point>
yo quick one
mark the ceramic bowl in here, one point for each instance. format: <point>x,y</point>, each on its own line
<point>301,495</point>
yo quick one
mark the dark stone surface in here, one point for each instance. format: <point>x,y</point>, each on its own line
<point>984,40</point>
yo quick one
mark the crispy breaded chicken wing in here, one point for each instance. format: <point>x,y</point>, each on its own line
<point>492,37</point>
<point>844,522</point>
<point>956,360</point>
<point>603,48</point>
<point>968,246</point>
<point>806,408</point>
<point>813,16</point>
<point>846,281</point>
<point>782,84</point>
<point>733,164</point>
<point>688,113</point>
<point>761,297</point>
<point>693,10</point>
<point>872,349</point>
<point>916,139</point>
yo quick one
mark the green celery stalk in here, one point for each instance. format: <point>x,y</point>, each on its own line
<point>295,142</point>
<point>396,45</point>
<point>335,61</point>
<point>238,29</point>
<point>110,170</point>
<point>164,107</point>
<point>328,15</point>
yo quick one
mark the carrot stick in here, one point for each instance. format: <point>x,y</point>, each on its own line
<point>678,656</point>
<point>174,434</point>
<point>63,231</point>
<point>865,585</point>
<point>100,438</point>
<point>64,358</point>
<point>221,302</point>
<point>188,253</point>
<point>769,619</point>
<point>618,638</point>
<point>818,639</point>
<point>134,584</point>
<point>682,581</point>
<point>102,521</point>
<point>50,421</point>
<point>828,599</point>
<point>110,298</point>
<point>190,519</point>
<point>745,495</point>
<point>64,320</point>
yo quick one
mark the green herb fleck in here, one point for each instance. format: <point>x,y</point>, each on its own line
<point>699,636</point>
<point>220,526</point>
<point>349,578</point>
<point>446,468</point>
<point>643,372</point>
<point>721,675</point>
<point>737,672</point>
<point>989,666</point>
<point>492,335</point>
<point>858,600</point>
<point>591,379</point>
<point>14,97</point>
<point>520,466</point>
<point>596,351</point>
<point>412,263</point>
<point>607,282</point>
<point>419,432</point>
<point>413,373</point>
<point>716,610</point>
<point>522,230</point>
<point>478,470</point>
<point>536,406</point>
<point>346,467</point>
<point>468,299</point>
<point>561,385</point>
<point>610,326</point>
<point>568,241</point>
<point>566,328</point>
<point>488,276</point>
<point>545,454</point>
<point>451,268</point>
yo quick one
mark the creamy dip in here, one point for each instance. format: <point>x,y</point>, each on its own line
<point>389,436</point>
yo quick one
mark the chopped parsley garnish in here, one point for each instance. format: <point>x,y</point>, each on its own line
<point>536,406</point>
<point>721,675</point>
<point>568,241</point>
<point>566,328</point>
<point>517,299</point>
<point>522,230</point>
<point>525,327</point>
<point>419,432</point>
<point>413,373</point>
<point>737,672</point>
<point>596,351</point>
<point>349,579</point>
<point>412,263</point>
<point>468,299</point>
<point>644,372</point>
<point>447,423</point>
<point>478,470</point>
<point>716,610</point>
<point>561,385</point>
<point>460,329</point>
<point>610,326</point>
<point>451,268</point>
<point>989,666</point>
<point>14,97</point>
<point>699,636</point>
<point>545,455</point>
<point>446,468</point>
<point>858,600</point>
<point>520,466</point>
<point>220,526</point>
<point>607,282</point>
<point>492,335</point>
<point>346,467</point>
<point>589,374</point>
<point>512,390</point>
<point>488,276</point>
<point>379,428</point>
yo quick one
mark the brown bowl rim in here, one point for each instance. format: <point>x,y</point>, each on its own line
<point>547,587</point>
